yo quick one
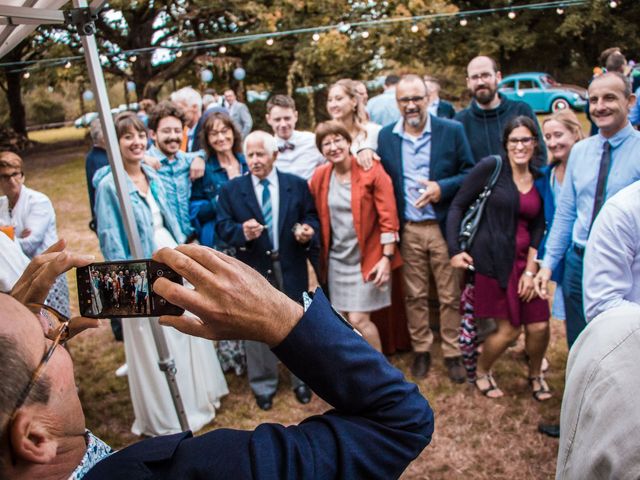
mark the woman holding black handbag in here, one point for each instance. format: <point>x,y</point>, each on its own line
<point>503,254</point>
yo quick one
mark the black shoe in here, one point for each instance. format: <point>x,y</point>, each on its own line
<point>421,364</point>
<point>550,429</point>
<point>265,402</point>
<point>303,394</point>
<point>455,370</point>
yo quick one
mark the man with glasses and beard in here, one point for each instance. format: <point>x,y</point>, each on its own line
<point>427,159</point>
<point>489,111</point>
<point>177,168</point>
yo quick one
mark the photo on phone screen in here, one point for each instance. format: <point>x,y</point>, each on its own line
<point>124,289</point>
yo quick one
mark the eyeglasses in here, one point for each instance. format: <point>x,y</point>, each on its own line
<point>11,176</point>
<point>525,141</point>
<point>481,76</point>
<point>328,143</point>
<point>56,329</point>
<point>215,133</point>
<point>408,100</point>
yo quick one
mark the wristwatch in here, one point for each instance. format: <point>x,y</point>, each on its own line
<point>390,256</point>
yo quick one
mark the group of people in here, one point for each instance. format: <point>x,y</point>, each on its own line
<point>373,212</point>
<point>119,292</point>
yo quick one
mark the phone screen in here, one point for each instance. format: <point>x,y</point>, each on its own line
<point>124,289</point>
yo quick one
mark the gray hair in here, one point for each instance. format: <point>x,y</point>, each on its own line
<point>187,95</point>
<point>96,132</point>
<point>623,78</point>
<point>268,141</point>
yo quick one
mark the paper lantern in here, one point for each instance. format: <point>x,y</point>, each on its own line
<point>206,75</point>
<point>239,74</point>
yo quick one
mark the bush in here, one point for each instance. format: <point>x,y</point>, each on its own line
<point>45,110</point>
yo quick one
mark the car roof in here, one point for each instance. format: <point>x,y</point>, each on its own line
<point>518,76</point>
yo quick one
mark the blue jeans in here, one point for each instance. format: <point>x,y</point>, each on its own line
<point>572,293</point>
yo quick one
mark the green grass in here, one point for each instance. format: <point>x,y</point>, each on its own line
<point>55,135</point>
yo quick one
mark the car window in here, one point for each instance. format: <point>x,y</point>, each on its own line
<point>549,80</point>
<point>527,84</point>
<point>509,85</point>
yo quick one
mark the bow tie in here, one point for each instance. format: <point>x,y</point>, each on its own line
<point>286,146</point>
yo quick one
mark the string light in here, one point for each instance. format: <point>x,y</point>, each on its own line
<point>315,37</point>
<point>68,64</point>
<point>222,49</point>
<point>560,10</point>
<point>511,14</point>
<point>365,34</point>
<point>133,58</point>
<point>613,4</point>
<point>463,22</point>
<point>26,75</point>
<point>269,41</point>
<point>414,28</point>
<point>178,53</point>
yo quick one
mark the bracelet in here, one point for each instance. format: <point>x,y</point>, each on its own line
<point>529,274</point>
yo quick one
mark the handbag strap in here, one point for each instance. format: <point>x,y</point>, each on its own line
<point>496,172</point>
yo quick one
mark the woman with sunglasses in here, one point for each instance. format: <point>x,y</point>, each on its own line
<point>200,378</point>
<point>503,254</point>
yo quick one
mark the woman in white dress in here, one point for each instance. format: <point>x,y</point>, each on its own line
<point>346,105</point>
<point>199,376</point>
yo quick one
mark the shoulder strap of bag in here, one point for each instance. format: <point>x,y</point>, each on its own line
<point>496,171</point>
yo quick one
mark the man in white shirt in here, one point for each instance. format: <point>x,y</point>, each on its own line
<point>298,153</point>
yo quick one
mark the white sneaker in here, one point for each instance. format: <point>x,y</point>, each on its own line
<point>122,371</point>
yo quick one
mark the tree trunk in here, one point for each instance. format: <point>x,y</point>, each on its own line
<point>17,114</point>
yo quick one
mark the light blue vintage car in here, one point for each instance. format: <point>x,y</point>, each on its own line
<point>542,92</point>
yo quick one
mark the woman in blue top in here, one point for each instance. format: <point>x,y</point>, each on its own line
<point>561,131</point>
<point>200,378</point>
<point>222,145</point>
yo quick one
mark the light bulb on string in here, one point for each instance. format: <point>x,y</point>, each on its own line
<point>613,4</point>
<point>178,53</point>
<point>68,64</point>
<point>559,10</point>
<point>315,37</point>
<point>26,75</point>
<point>133,58</point>
<point>463,22</point>
<point>269,41</point>
<point>365,34</point>
<point>222,49</point>
<point>414,28</point>
<point>511,14</point>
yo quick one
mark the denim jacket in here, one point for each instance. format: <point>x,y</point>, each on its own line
<point>111,231</point>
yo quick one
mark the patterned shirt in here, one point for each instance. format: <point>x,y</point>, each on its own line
<point>96,450</point>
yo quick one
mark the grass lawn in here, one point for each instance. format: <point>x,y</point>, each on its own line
<point>475,437</point>
<point>55,135</point>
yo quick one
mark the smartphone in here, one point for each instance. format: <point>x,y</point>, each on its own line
<point>124,289</point>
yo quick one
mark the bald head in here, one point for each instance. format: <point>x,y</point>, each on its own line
<point>484,62</point>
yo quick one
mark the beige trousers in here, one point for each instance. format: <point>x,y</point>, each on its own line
<point>424,250</point>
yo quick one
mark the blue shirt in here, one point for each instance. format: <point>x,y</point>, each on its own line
<point>416,159</point>
<point>634,114</point>
<point>572,220</point>
<point>174,175</point>
<point>383,108</point>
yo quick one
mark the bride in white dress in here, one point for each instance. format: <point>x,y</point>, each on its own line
<point>199,376</point>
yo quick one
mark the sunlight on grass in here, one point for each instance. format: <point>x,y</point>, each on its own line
<point>54,135</point>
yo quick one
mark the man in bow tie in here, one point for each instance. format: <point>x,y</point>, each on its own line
<point>298,153</point>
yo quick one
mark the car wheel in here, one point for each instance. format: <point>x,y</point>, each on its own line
<point>559,104</point>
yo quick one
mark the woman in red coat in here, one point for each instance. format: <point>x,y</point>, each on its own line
<point>359,230</point>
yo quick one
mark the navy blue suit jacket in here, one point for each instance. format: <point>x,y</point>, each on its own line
<point>379,423</point>
<point>451,160</point>
<point>237,203</point>
<point>543,184</point>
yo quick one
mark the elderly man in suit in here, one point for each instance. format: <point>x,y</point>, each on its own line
<point>427,158</point>
<point>270,218</point>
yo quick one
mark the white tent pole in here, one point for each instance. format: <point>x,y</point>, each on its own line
<point>165,362</point>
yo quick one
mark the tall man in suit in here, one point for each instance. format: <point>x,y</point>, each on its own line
<point>238,112</point>
<point>270,218</point>
<point>427,158</point>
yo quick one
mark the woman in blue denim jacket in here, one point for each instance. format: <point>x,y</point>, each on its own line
<point>200,380</point>
<point>222,144</point>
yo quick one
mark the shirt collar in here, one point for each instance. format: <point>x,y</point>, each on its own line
<point>398,129</point>
<point>619,137</point>
<point>272,177</point>
<point>155,152</point>
<point>96,450</point>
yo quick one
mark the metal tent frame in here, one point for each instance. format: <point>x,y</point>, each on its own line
<point>18,19</point>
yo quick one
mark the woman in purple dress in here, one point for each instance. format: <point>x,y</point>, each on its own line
<point>503,254</point>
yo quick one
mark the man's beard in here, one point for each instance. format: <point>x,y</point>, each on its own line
<point>164,146</point>
<point>486,96</point>
<point>414,122</point>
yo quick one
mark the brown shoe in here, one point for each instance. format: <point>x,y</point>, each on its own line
<point>421,364</point>
<point>455,370</point>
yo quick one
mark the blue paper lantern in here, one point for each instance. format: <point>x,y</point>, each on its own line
<point>239,74</point>
<point>206,75</point>
<point>87,95</point>
<point>131,86</point>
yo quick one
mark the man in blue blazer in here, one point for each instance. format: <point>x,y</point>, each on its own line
<point>427,158</point>
<point>379,423</point>
<point>271,220</point>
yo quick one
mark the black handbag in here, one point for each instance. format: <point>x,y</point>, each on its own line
<point>471,219</point>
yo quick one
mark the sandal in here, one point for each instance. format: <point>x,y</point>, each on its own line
<point>493,387</point>
<point>543,393</point>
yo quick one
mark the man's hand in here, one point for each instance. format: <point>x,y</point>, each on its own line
<point>232,300</point>
<point>366,157</point>
<point>431,194</point>
<point>541,281</point>
<point>462,260</point>
<point>197,168</point>
<point>252,229</point>
<point>153,162</point>
<point>303,233</point>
